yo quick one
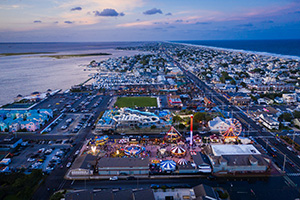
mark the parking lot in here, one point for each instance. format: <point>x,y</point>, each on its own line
<point>70,123</point>
<point>45,155</point>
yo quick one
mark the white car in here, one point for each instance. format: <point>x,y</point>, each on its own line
<point>114,178</point>
<point>68,164</point>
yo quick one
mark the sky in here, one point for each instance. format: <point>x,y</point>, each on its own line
<point>147,20</point>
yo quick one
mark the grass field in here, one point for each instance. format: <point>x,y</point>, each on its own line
<point>136,102</point>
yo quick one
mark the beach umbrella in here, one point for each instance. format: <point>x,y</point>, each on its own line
<point>168,165</point>
<point>182,161</point>
<point>178,150</point>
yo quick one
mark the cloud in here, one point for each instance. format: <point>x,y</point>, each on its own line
<point>246,25</point>
<point>179,21</point>
<point>152,11</point>
<point>108,12</point>
<point>37,21</point>
<point>68,22</point>
<point>268,22</point>
<point>76,8</point>
<point>203,23</point>
<point>297,12</point>
<point>168,14</point>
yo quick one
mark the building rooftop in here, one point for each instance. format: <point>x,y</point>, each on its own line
<point>123,162</point>
<point>220,150</point>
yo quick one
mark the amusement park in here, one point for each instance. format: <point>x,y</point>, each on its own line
<point>171,154</point>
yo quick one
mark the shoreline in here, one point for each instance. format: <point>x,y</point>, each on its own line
<point>78,64</point>
<point>240,51</point>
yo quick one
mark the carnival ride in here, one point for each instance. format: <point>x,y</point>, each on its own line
<point>178,151</point>
<point>234,129</point>
<point>99,141</point>
<point>133,150</point>
<point>172,135</point>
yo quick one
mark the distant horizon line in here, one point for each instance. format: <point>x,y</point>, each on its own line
<point>30,42</point>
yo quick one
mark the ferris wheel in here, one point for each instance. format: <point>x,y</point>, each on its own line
<point>234,129</point>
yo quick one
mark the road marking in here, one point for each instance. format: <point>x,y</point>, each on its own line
<point>290,181</point>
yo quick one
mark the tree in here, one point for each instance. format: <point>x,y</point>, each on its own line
<point>296,114</point>
<point>199,116</point>
<point>243,84</point>
<point>286,117</point>
<point>181,126</point>
<point>153,127</point>
<point>232,82</point>
<point>177,118</point>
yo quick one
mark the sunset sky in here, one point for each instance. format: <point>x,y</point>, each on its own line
<point>136,20</point>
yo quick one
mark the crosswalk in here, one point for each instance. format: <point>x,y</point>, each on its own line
<point>293,174</point>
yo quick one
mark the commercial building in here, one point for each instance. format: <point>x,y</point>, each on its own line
<point>269,121</point>
<point>109,194</point>
<point>236,159</point>
<point>10,142</point>
<point>123,166</point>
<point>83,166</point>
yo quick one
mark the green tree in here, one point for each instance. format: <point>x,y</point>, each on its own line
<point>296,114</point>
<point>177,118</point>
<point>286,117</point>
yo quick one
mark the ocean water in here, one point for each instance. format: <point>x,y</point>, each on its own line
<point>24,74</point>
<point>280,47</point>
<point>60,46</point>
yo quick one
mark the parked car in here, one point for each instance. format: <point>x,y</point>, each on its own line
<point>68,164</point>
<point>113,178</point>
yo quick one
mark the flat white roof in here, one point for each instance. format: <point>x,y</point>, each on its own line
<point>219,150</point>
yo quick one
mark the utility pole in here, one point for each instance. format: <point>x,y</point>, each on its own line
<point>284,160</point>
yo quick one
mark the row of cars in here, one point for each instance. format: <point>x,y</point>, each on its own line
<point>47,156</point>
<point>81,123</point>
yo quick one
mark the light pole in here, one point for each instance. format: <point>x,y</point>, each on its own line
<point>284,160</point>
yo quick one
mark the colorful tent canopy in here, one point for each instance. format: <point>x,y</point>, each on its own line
<point>182,161</point>
<point>168,165</point>
<point>123,141</point>
<point>178,150</point>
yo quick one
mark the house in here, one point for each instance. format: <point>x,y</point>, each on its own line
<point>31,126</point>
<point>269,121</point>
<point>205,192</point>
<point>261,101</point>
<point>3,126</point>
<point>278,100</point>
<point>268,100</point>
<point>289,98</point>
